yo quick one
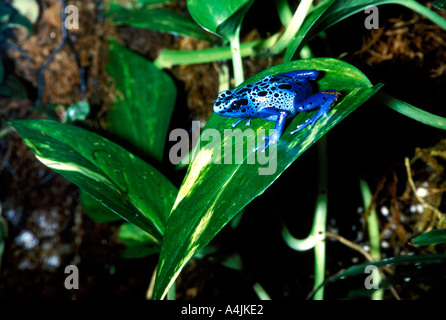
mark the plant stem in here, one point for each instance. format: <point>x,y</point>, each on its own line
<point>5,131</point>
<point>169,58</point>
<point>293,27</point>
<point>284,11</point>
<point>320,219</point>
<point>223,78</point>
<point>316,238</point>
<point>373,230</point>
<point>171,293</point>
<point>237,64</point>
<point>411,111</point>
<point>260,292</point>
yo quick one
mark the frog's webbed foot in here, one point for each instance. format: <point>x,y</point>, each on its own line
<point>277,131</point>
<point>248,123</point>
<point>268,141</point>
<point>308,122</point>
<point>324,101</point>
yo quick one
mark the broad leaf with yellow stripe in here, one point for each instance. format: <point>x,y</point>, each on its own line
<point>212,194</point>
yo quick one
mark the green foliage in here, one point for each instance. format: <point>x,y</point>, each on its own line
<point>96,210</point>
<point>178,224</point>
<point>155,18</point>
<point>143,108</point>
<point>437,236</point>
<point>124,183</point>
<point>141,112</point>
<point>10,18</point>
<point>329,12</point>
<point>439,4</point>
<point>212,194</point>
<point>77,111</point>
<point>419,261</point>
<point>138,243</point>
<point>222,18</point>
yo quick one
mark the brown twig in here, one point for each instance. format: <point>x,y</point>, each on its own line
<point>367,255</point>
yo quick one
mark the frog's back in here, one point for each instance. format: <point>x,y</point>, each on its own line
<point>277,91</point>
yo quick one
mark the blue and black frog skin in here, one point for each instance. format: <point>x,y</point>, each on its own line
<point>276,98</point>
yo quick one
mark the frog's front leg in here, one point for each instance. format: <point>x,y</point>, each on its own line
<point>278,128</point>
<point>248,122</point>
<point>322,100</point>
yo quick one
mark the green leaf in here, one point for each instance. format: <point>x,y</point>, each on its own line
<point>27,8</point>
<point>16,19</point>
<point>123,182</point>
<point>328,13</point>
<point>439,4</point>
<point>308,29</point>
<point>212,194</point>
<point>157,19</point>
<point>221,17</point>
<point>359,270</point>
<point>150,2</point>
<point>410,111</point>
<point>138,243</point>
<point>78,111</point>
<point>437,236</point>
<point>96,210</point>
<point>145,99</point>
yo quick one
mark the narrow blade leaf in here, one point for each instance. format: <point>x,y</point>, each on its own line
<point>437,236</point>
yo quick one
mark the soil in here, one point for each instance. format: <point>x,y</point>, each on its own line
<point>48,230</point>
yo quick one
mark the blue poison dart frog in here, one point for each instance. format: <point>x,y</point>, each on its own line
<point>276,98</point>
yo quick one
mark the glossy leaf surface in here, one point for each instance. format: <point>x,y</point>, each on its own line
<point>139,244</point>
<point>145,98</point>
<point>123,182</point>
<point>221,17</point>
<point>212,194</point>
<point>157,19</point>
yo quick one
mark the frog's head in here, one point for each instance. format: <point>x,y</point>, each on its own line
<point>230,104</point>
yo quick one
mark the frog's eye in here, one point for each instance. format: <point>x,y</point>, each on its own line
<point>235,105</point>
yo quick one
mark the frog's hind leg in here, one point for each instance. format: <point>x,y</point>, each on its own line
<point>302,74</point>
<point>322,100</point>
